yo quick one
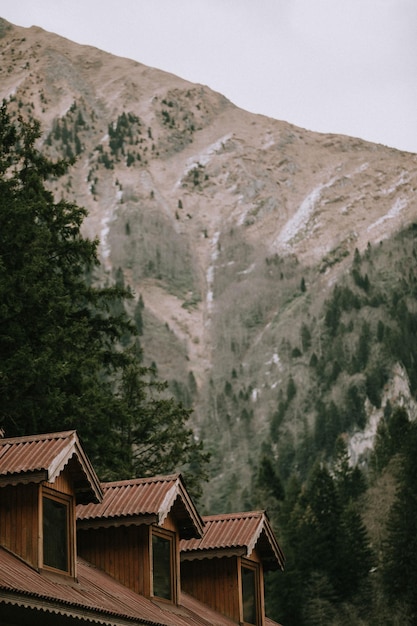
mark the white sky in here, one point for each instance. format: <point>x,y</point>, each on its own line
<point>342,66</point>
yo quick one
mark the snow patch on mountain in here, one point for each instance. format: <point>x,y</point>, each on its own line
<point>402,180</point>
<point>204,157</point>
<point>104,234</point>
<point>395,210</point>
<point>210,270</point>
<point>300,218</point>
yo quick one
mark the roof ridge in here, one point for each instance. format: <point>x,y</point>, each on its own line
<point>139,481</point>
<point>230,516</point>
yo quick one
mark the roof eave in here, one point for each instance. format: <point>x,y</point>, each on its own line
<point>116,521</point>
<point>50,606</point>
<point>213,553</point>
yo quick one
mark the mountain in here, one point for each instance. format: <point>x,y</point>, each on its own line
<point>267,261</point>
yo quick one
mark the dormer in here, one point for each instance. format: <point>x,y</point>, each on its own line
<point>225,568</point>
<point>42,478</point>
<point>134,533</point>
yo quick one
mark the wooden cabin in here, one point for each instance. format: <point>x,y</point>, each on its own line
<point>134,533</point>
<point>74,551</point>
<point>225,568</point>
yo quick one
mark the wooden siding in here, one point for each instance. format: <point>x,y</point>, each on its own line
<point>63,483</point>
<point>123,552</point>
<point>217,583</point>
<point>169,524</point>
<point>20,517</point>
<point>214,582</point>
<point>19,522</point>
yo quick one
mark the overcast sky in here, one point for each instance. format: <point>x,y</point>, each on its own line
<point>342,66</point>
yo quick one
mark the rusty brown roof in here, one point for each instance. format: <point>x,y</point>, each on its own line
<point>143,499</point>
<point>38,458</point>
<point>95,596</point>
<point>236,533</point>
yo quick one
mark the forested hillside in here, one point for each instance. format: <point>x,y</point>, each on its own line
<point>268,275</point>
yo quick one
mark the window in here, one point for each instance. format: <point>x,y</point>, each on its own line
<point>57,536</point>
<point>163,564</point>
<point>250,594</point>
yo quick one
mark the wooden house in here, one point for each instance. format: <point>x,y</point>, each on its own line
<point>224,569</point>
<point>118,564</point>
<point>134,533</point>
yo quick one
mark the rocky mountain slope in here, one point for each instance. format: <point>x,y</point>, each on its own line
<point>232,230</point>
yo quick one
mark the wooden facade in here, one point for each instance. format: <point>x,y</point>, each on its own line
<point>217,582</point>
<point>122,552</point>
<point>19,521</point>
<point>21,528</point>
<point>225,567</point>
<point>125,553</point>
<point>214,582</point>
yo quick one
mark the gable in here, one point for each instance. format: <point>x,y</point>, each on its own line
<point>236,534</point>
<point>40,458</point>
<point>143,501</point>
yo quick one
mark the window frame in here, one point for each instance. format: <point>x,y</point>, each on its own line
<point>254,567</point>
<point>171,537</point>
<point>68,501</point>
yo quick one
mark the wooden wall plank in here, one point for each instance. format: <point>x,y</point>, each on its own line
<point>19,521</point>
<point>214,582</point>
<point>122,552</point>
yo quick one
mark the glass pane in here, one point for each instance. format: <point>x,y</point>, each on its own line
<point>161,556</point>
<point>249,595</point>
<point>55,534</point>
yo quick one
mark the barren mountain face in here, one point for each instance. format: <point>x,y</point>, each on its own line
<point>232,227</point>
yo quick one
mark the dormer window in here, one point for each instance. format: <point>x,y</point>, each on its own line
<point>57,532</point>
<point>163,564</point>
<point>250,593</point>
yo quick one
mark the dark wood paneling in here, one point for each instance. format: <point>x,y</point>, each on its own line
<point>63,483</point>
<point>214,582</point>
<point>19,521</point>
<point>122,552</point>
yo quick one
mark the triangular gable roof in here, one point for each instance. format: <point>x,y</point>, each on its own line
<point>39,458</point>
<point>143,500</point>
<point>236,534</point>
<point>95,596</point>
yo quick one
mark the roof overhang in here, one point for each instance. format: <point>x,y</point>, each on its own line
<point>115,522</point>
<point>31,610</point>
<point>221,553</point>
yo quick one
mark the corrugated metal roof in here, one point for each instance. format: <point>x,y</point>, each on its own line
<point>33,453</point>
<point>97,596</point>
<point>236,531</point>
<point>35,458</point>
<point>155,496</point>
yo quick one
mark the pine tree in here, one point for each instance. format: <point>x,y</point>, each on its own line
<point>154,437</point>
<point>399,565</point>
<point>65,355</point>
<point>57,337</point>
